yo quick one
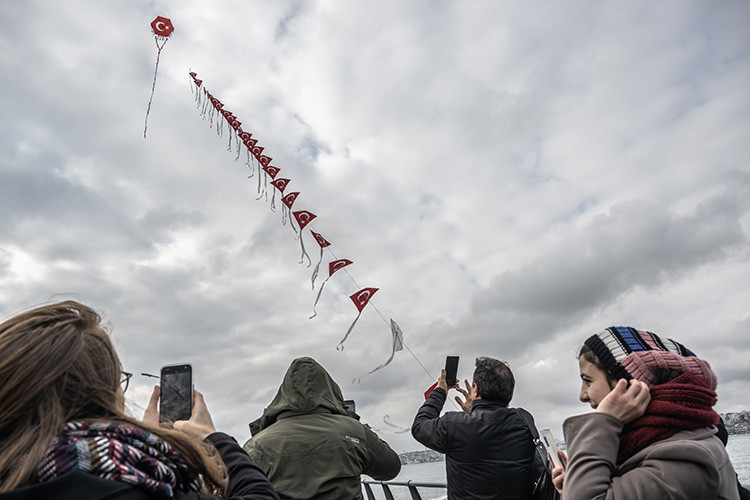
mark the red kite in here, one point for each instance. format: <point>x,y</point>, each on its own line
<point>162,28</point>
<point>332,268</point>
<point>303,218</point>
<point>360,299</point>
<point>323,243</point>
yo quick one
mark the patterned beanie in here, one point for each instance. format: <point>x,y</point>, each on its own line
<point>629,353</point>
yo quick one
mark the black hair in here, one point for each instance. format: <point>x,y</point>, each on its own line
<point>494,380</point>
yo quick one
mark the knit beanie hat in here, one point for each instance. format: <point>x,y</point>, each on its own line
<point>634,354</point>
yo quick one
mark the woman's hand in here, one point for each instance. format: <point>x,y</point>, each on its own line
<point>626,402</point>
<point>151,415</point>
<point>558,473</point>
<point>200,424</point>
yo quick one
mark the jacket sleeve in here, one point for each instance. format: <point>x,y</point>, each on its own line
<point>428,428</point>
<point>677,470</point>
<point>246,480</point>
<point>383,463</point>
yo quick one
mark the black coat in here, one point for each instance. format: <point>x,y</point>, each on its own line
<point>488,453</point>
<point>246,482</point>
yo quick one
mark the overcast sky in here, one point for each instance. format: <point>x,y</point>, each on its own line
<point>512,176</point>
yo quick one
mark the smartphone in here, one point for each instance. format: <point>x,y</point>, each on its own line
<point>451,370</point>
<point>548,440</point>
<point>176,400</point>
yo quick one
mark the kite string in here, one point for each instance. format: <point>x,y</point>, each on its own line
<point>220,123</point>
<point>431,377</point>
<point>153,85</point>
<point>378,311</point>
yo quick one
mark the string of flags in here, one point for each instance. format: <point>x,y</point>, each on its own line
<point>242,141</point>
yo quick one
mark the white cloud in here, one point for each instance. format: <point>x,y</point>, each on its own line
<point>512,177</point>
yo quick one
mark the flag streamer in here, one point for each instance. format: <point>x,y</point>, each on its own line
<point>209,108</point>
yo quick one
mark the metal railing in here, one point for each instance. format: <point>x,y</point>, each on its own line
<point>411,485</point>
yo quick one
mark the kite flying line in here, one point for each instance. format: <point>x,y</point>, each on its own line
<point>213,110</point>
<point>162,28</point>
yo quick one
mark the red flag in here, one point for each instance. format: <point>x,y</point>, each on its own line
<point>429,391</point>
<point>339,264</point>
<point>303,218</point>
<point>264,160</point>
<point>332,268</point>
<point>362,297</point>
<point>321,241</point>
<point>270,170</point>
<point>280,184</point>
<point>289,201</point>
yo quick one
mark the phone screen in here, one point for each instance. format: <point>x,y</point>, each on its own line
<point>176,402</point>
<point>551,445</point>
<point>451,370</point>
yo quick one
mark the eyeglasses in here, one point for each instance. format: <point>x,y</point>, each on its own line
<point>125,380</point>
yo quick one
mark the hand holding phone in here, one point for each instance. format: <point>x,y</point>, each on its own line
<point>176,399</point>
<point>451,370</point>
<point>548,440</point>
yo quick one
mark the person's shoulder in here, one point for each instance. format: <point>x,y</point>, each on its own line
<point>75,485</point>
<point>697,445</point>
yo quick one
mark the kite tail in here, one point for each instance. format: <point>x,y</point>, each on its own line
<point>273,201</point>
<point>340,347</point>
<point>318,298</point>
<point>249,165</point>
<point>285,212</point>
<point>397,345</point>
<point>229,146</point>
<point>153,85</point>
<point>205,111</point>
<point>304,252</point>
<point>317,267</point>
<point>261,192</point>
<point>358,379</point>
<point>291,223</point>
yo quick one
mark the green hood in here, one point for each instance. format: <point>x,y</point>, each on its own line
<point>307,388</point>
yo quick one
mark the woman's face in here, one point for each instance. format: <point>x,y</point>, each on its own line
<point>594,383</point>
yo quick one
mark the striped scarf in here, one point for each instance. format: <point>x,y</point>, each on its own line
<point>120,453</point>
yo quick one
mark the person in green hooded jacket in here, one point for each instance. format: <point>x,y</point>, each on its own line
<point>311,446</point>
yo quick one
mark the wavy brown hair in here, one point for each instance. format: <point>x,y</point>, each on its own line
<point>57,364</point>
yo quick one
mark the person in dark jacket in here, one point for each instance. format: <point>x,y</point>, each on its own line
<point>488,447</point>
<point>311,446</point>
<point>64,433</point>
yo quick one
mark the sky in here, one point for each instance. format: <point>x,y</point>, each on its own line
<point>512,176</point>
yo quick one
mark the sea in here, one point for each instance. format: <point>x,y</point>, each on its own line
<point>738,448</point>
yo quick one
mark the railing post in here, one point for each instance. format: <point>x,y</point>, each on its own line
<point>387,492</point>
<point>413,491</point>
<point>368,492</point>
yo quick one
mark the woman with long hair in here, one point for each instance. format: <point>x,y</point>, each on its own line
<point>64,432</point>
<point>652,433</point>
